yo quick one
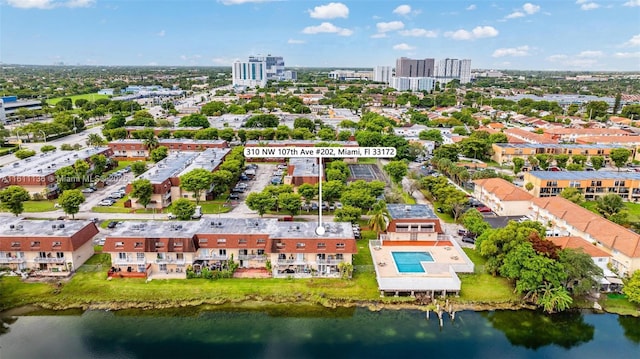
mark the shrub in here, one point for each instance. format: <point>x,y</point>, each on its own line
<point>48,148</point>
<point>66,147</point>
<point>24,153</point>
<point>37,197</point>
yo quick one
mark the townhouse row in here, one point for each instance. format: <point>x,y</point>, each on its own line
<point>506,152</point>
<point>592,184</point>
<point>564,218</point>
<point>167,249</point>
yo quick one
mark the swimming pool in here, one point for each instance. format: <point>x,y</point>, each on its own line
<point>410,262</point>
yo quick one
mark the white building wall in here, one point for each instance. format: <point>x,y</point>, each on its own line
<point>250,74</point>
<point>382,74</point>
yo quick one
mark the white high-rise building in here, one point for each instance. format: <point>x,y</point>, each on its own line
<point>249,73</point>
<point>382,74</point>
<point>452,69</point>
<point>275,66</point>
<point>413,83</point>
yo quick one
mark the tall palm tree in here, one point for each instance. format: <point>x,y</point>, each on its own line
<point>151,143</point>
<point>380,217</point>
<point>95,140</point>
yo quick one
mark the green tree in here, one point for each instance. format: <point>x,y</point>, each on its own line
<point>380,218</point>
<point>596,109</point>
<point>142,190</point>
<point>518,163</point>
<point>138,168</point>
<point>12,199</point>
<point>290,202</point>
<point>431,135</point>
<point>207,134</point>
<point>183,209</point>
<point>616,104</point>
<point>159,154</point>
<point>529,186</point>
<point>561,160</point>
<point>66,178</point>
<point>308,191</point>
<point>631,111</point>
<point>260,202</point>
<point>194,120</point>
<point>544,160</point>
<point>449,152</point>
<point>579,159</point>
<point>327,134</point>
<point>151,142</point>
<point>215,108</point>
<point>396,170</point>
<point>473,221</point>
<point>498,138</point>
<point>348,214</point>
<point>70,201</point>
<point>632,288</point>
<point>222,180</point>
<point>582,272</point>
<point>332,190</point>
<point>196,181</point>
<point>47,148</point>
<point>95,140</point>
<point>303,122</point>
<point>609,205</point>
<point>597,162</point>
<point>82,169</point>
<point>619,156</point>
<point>227,134</point>
<point>572,194</point>
<point>99,163</point>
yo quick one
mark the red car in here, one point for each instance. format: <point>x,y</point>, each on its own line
<point>484,209</point>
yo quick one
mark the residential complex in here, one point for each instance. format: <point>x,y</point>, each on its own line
<point>382,74</point>
<point>133,149</point>
<point>592,184</point>
<point>506,152</point>
<point>167,249</point>
<point>48,248</point>
<point>446,70</point>
<point>406,67</point>
<point>9,106</point>
<point>502,197</point>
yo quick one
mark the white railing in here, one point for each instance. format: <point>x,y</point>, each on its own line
<point>212,257</point>
<point>292,261</point>
<point>329,261</point>
<point>48,260</point>
<point>169,261</point>
<point>252,257</point>
<point>127,261</point>
<point>12,260</point>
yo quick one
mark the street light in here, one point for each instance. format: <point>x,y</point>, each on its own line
<point>44,136</point>
<point>19,141</point>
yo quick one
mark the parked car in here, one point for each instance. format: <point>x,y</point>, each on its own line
<point>198,213</point>
<point>116,195</point>
<point>484,209</point>
<point>469,240</point>
<point>338,205</point>
<point>314,206</point>
<point>276,180</point>
<point>106,202</point>
<point>244,177</point>
<point>462,232</point>
<point>112,224</point>
<point>234,196</point>
<point>87,190</point>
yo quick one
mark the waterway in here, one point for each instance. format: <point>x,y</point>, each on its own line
<point>312,332</point>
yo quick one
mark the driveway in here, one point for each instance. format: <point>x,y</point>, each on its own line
<point>257,184</point>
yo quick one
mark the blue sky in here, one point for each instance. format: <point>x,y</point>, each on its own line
<point>536,35</point>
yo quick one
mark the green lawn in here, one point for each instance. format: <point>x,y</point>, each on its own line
<point>618,303</point>
<point>408,199</point>
<point>632,208</point>
<point>88,96</point>
<point>481,287</point>
<point>367,161</point>
<point>37,206</point>
<point>445,217</point>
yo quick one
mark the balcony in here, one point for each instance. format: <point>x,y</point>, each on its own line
<point>130,261</point>
<point>49,260</point>
<point>170,261</point>
<point>252,257</point>
<point>292,261</point>
<point>212,257</point>
<point>415,230</point>
<point>11,260</point>
<point>329,261</point>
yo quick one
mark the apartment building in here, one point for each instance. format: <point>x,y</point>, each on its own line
<point>564,216</point>
<point>134,149</point>
<point>382,74</point>
<point>157,130</point>
<point>529,137</point>
<point>302,170</point>
<point>502,197</point>
<point>252,73</point>
<point>412,223</point>
<point>46,248</point>
<point>506,152</point>
<point>572,134</point>
<point>165,175</point>
<point>592,184</point>
<point>406,67</point>
<point>37,174</point>
<point>166,249</point>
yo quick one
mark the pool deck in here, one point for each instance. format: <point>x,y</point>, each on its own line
<point>440,274</point>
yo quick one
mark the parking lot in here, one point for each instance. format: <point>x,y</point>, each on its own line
<point>264,174</point>
<point>114,183</point>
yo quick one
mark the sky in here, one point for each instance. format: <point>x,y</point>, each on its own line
<point>576,35</point>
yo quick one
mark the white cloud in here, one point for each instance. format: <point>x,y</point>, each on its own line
<point>515,15</point>
<point>49,4</point>
<point>295,42</point>
<point>586,5</point>
<point>477,33</point>
<point>632,3</point>
<point>590,54</point>
<point>380,35</point>
<point>240,2</point>
<point>161,33</point>
<point>402,10</point>
<point>419,33</point>
<point>222,61</point>
<point>330,11</point>
<point>556,58</point>
<point>390,26</point>
<point>530,8</point>
<point>403,47</point>
<point>471,7</point>
<point>626,55</point>
<point>327,27</point>
<point>512,51</point>
<point>152,63</point>
<point>574,61</point>
<point>633,42</point>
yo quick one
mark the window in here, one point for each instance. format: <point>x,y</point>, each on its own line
<point>300,245</point>
<point>180,256</point>
<point>339,256</point>
<point>122,256</point>
<point>222,252</point>
<point>203,241</point>
<point>138,245</point>
<point>322,245</point>
<point>15,244</point>
<point>619,184</point>
<point>177,244</point>
<point>57,244</point>
<point>59,254</point>
<point>552,183</point>
<point>35,244</point>
<point>42,254</point>
<point>163,267</point>
<point>119,244</point>
<point>222,241</point>
<point>242,242</point>
<point>340,245</point>
<point>140,256</point>
<point>159,244</point>
<point>596,183</point>
<point>260,252</point>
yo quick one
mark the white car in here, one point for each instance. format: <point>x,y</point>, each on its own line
<point>106,202</point>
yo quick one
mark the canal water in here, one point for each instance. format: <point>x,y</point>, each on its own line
<point>312,332</point>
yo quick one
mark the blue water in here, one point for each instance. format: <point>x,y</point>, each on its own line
<point>291,333</point>
<point>409,262</point>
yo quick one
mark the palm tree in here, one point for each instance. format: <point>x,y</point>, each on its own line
<point>380,217</point>
<point>95,140</point>
<point>151,143</point>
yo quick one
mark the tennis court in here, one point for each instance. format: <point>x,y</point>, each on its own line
<point>367,172</point>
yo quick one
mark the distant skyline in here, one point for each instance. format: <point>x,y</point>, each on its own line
<point>582,35</point>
